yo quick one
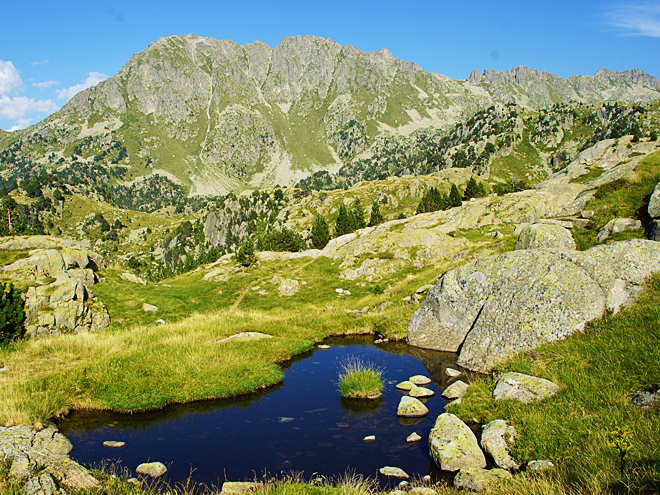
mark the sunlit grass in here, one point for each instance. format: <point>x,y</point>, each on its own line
<point>359,379</point>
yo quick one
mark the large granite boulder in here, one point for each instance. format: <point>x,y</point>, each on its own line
<point>654,203</point>
<point>496,439</point>
<point>524,388</point>
<point>495,307</point>
<point>453,445</point>
<point>543,235</point>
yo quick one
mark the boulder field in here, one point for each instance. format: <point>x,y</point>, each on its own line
<point>492,308</point>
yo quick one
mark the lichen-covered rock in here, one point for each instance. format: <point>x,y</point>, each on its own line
<point>420,380</point>
<point>654,203</point>
<point>477,480</point>
<point>541,236</point>
<point>496,439</point>
<point>151,469</point>
<point>618,225</point>
<point>42,484</point>
<point>149,308</point>
<point>288,287</point>
<point>233,487</point>
<point>409,407</point>
<point>453,445</point>
<point>421,392</point>
<point>524,388</point>
<point>393,472</point>
<point>405,385</point>
<point>495,307</point>
<point>456,390</point>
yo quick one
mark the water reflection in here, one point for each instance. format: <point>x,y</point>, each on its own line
<point>300,425</point>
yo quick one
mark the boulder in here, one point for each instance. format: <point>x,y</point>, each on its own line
<point>493,308</point>
<point>151,469</point>
<point>543,236</point>
<point>413,438</point>
<point>496,439</point>
<point>288,287</point>
<point>421,393</point>
<point>524,388</point>
<point>654,203</point>
<point>654,230</point>
<point>405,385</point>
<point>539,465</point>
<point>478,480</point>
<point>239,486</point>
<point>393,472</point>
<point>409,407</point>
<point>453,445</point>
<point>456,390</point>
<point>420,380</point>
<point>618,225</point>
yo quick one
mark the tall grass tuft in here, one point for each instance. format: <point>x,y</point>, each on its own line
<point>359,379</point>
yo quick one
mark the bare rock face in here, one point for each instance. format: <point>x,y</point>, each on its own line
<point>543,235</point>
<point>512,302</point>
<point>31,450</point>
<point>65,304</point>
<point>453,445</point>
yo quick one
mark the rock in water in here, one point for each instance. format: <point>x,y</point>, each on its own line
<point>495,307</point>
<point>496,439</point>
<point>523,388</point>
<point>420,380</point>
<point>151,469</point>
<point>453,445</point>
<point>394,472</point>
<point>421,393</point>
<point>406,385</point>
<point>409,407</point>
<point>477,480</point>
<point>413,438</point>
<point>543,236</point>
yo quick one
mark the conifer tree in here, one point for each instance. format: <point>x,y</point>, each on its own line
<point>320,232</point>
<point>12,314</point>
<point>344,223</point>
<point>376,216</point>
<point>471,189</point>
<point>455,196</point>
<point>358,214</point>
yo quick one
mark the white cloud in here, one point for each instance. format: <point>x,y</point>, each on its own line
<point>40,62</point>
<point>46,84</point>
<point>17,109</point>
<point>92,80</point>
<point>10,80</point>
<point>634,19</point>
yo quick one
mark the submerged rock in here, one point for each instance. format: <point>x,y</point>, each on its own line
<point>453,445</point>
<point>524,388</point>
<point>478,480</point>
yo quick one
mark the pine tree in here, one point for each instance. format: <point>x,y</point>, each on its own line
<point>455,196</point>
<point>12,314</point>
<point>344,223</point>
<point>471,189</point>
<point>358,214</point>
<point>376,216</point>
<point>320,232</point>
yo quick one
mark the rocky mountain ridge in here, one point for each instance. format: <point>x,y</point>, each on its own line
<point>215,116</point>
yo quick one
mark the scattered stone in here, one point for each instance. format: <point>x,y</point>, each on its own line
<point>421,393</point>
<point>382,306</point>
<point>409,407</point>
<point>339,290</point>
<point>381,341</point>
<point>423,289</point>
<point>496,439</point>
<point>402,484</point>
<point>422,490</point>
<point>323,346</point>
<point>420,380</point>
<point>129,277</point>
<point>113,444</point>
<point>544,236</point>
<point>453,445</point>
<point>160,321</point>
<point>151,469</point>
<point>375,396</point>
<point>406,385</point>
<point>646,398</point>
<point>618,225</point>
<point>370,438</point>
<point>588,214</point>
<point>452,373</point>
<point>246,337</point>
<point>456,390</point>
<point>393,472</point>
<point>284,419</point>
<point>540,465</point>
<point>523,388</point>
<point>413,438</point>
<point>288,287</point>
<point>149,308</point>
<point>477,480</point>
<point>238,486</point>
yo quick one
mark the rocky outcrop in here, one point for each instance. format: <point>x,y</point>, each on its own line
<point>493,308</point>
<point>618,225</point>
<point>523,388</point>
<point>46,451</point>
<point>65,304</point>
<point>541,236</point>
<point>453,445</point>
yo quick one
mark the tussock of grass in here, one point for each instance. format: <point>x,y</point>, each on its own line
<point>359,379</point>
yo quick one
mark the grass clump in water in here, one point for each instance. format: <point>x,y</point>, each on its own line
<point>359,379</point>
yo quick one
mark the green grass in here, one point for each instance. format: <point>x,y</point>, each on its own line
<point>359,379</point>
<point>577,428</point>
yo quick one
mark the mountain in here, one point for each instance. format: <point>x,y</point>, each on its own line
<point>211,116</point>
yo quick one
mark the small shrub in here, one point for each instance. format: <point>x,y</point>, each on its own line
<point>359,379</point>
<point>245,255</point>
<point>378,289</point>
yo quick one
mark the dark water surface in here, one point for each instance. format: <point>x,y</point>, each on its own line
<point>302,425</point>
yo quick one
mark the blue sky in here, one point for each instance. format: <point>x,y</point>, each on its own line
<point>51,50</point>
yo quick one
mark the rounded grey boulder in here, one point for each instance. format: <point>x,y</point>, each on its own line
<point>453,445</point>
<point>543,236</point>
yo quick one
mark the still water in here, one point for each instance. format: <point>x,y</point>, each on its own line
<point>300,426</point>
